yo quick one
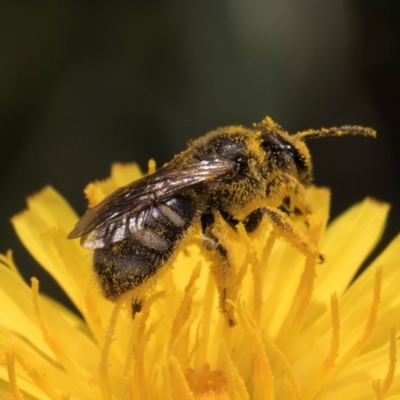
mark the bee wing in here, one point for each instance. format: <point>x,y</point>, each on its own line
<point>108,222</point>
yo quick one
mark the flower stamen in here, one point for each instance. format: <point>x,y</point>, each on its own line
<point>140,357</point>
<point>38,379</point>
<point>12,377</point>
<point>263,380</point>
<point>381,390</point>
<point>54,346</point>
<point>178,384</point>
<point>330,360</point>
<point>357,347</point>
<point>183,313</point>
<point>104,382</point>
<point>392,362</point>
<point>265,257</point>
<point>233,375</point>
<point>301,300</point>
<point>290,341</point>
<point>252,260</point>
<point>297,312</point>
<point>286,366</point>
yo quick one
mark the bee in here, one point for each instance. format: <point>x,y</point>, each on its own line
<point>136,229</point>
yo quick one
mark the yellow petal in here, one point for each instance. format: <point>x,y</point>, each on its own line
<point>43,229</point>
<point>347,242</point>
<point>301,332</point>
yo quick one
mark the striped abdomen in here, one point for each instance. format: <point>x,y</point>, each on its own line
<point>153,236</point>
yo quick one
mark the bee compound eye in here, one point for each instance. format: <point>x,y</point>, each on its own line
<point>278,147</point>
<point>299,160</point>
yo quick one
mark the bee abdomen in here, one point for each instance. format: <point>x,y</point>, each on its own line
<point>123,265</point>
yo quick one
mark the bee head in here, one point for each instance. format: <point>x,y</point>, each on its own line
<point>290,153</point>
<point>283,152</point>
<point>286,155</point>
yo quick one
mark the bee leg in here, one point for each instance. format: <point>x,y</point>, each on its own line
<point>253,220</point>
<point>136,307</point>
<point>285,229</point>
<point>232,222</point>
<point>221,270</point>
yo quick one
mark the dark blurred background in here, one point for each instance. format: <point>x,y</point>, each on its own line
<point>85,84</point>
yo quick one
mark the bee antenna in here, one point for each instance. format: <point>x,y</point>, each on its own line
<point>343,130</point>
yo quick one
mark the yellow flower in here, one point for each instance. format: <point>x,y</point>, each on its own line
<point>303,331</point>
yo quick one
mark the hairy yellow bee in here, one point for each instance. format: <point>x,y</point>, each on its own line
<point>135,230</point>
